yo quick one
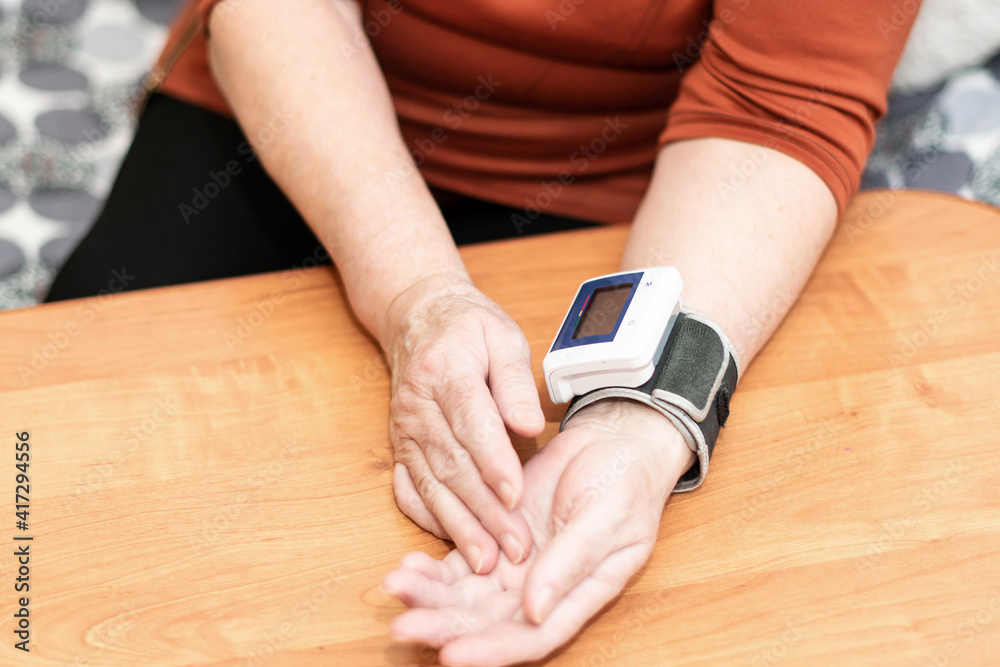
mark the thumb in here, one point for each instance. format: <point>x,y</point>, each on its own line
<point>512,383</point>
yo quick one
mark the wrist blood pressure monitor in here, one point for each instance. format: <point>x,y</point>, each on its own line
<point>626,335</point>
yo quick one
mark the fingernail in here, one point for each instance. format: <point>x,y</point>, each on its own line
<point>507,496</point>
<point>546,600</point>
<point>475,558</point>
<point>512,547</point>
<point>528,416</point>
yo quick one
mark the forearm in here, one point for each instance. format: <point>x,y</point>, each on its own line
<point>744,252</point>
<point>744,255</point>
<point>341,159</point>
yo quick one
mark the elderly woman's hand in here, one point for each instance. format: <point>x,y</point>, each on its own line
<point>461,372</point>
<point>593,498</point>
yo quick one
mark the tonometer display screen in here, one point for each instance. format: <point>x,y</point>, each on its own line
<point>601,309</point>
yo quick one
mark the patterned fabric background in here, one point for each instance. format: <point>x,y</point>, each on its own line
<point>946,138</point>
<point>70,72</point>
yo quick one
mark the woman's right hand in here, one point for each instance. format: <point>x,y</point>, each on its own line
<point>461,373</point>
<point>460,365</point>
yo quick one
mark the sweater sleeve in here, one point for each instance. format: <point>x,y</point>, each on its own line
<point>808,79</point>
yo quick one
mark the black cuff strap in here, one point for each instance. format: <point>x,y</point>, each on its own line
<point>693,381</point>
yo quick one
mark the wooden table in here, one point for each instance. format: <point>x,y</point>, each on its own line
<point>210,468</point>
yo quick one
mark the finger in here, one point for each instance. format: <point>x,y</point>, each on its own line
<point>473,419</point>
<point>453,466</point>
<point>571,555</point>
<point>512,384</point>
<point>410,503</point>
<point>455,566</point>
<point>448,570</point>
<point>515,641</point>
<point>437,627</point>
<point>427,565</point>
<point>415,589</point>
<point>472,539</point>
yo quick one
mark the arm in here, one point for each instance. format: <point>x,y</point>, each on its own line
<point>740,257</point>
<point>744,258</point>
<point>744,255</point>
<point>332,161</point>
<point>459,364</point>
<point>805,84</point>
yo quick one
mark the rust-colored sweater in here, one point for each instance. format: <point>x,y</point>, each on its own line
<point>561,105</point>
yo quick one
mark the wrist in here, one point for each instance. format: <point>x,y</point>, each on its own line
<point>412,304</point>
<point>649,427</point>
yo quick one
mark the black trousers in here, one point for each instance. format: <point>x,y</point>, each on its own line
<point>192,203</point>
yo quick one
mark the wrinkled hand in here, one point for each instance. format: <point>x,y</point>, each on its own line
<point>461,372</point>
<point>593,498</point>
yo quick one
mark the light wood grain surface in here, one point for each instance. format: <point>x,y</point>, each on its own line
<point>210,471</point>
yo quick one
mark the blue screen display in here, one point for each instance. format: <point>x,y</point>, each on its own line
<point>597,311</point>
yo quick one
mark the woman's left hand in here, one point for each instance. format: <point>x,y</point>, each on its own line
<point>593,498</point>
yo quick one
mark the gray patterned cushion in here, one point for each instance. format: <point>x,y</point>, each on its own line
<point>67,72</point>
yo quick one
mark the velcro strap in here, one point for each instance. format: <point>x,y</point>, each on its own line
<point>693,381</point>
<point>691,371</point>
